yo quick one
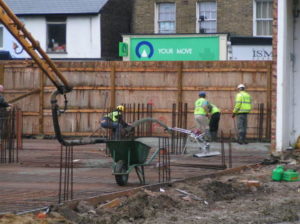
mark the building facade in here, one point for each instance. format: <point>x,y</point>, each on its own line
<point>237,17</point>
<point>250,20</point>
<point>81,30</point>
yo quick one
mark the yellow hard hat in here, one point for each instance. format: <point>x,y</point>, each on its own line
<point>120,107</point>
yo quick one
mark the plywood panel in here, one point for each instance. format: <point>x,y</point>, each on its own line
<point>159,99</point>
<point>146,79</point>
<point>21,78</point>
<point>30,125</point>
<point>79,99</point>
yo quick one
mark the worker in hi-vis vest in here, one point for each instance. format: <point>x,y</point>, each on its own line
<point>114,120</point>
<point>242,107</point>
<point>201,113</point>
<point>215,115</point>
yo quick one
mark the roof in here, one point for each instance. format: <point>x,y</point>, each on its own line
<point>47,7</point>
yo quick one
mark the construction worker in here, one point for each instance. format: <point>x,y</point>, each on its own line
<point>243,106</point>
<point>4,107</point>
<point>114,120</point>
<point>201,113</point>
<point>214,121</point>
<point>3,103</point>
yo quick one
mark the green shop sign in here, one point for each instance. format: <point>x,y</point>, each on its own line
<point>175,49</point>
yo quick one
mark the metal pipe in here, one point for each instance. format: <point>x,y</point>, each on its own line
<point>230,150</point>
<point>60,174</point>
<point>222,149</point>
<point>24,95</point>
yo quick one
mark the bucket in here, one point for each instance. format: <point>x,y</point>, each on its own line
<point>277,173</point>
<point>290,175</point>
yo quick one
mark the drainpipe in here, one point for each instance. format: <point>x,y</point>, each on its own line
<point>281,64</point>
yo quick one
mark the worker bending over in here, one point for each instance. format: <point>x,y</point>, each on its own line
<point>114,120</point>
<point>3,103</point>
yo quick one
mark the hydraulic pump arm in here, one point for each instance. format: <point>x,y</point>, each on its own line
<point>32,47</point>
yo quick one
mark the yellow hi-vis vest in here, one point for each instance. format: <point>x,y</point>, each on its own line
<point>199,104</point>
<point>113,115</point>
<point>243,103</point>
<point>214,109</point>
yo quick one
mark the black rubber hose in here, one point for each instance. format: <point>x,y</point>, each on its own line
<point>147,119</point>
<point>80,141</point>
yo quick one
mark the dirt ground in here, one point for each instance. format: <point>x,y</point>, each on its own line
<point>249,196</point>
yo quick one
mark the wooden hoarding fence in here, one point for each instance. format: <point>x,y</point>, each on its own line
<point>157,83</point>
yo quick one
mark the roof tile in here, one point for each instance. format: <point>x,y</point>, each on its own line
<point>44,7</point>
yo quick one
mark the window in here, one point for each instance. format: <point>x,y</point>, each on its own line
<point>207,17</point>
<point>263,17</point>
<point>1,36</point>
<point>56,35</point>
<point>166,17</point>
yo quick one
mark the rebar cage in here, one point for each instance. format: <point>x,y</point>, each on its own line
<point>10,135</point>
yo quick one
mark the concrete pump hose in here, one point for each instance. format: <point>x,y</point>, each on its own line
<point>59,136</point>
<point>148,119</point>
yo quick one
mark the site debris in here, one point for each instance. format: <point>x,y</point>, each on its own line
<point>248,196</point>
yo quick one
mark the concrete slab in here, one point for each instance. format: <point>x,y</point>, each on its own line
<point>34,181</point>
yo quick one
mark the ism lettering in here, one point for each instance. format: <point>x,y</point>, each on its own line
<point>177,51</point>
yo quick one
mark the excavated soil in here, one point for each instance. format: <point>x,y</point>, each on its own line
<point>246,197</point>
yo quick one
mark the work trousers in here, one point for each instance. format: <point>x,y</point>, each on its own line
<point>242,126</point>
<point>202,123</point>
<point>214,125</point>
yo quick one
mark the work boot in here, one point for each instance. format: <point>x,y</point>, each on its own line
<point>239,141</point>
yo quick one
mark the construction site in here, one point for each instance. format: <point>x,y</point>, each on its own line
<point>58,165</point>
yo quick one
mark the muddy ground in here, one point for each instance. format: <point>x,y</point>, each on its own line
<point>246,197</point>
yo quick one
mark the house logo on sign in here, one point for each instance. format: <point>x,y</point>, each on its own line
<point>144,49</point>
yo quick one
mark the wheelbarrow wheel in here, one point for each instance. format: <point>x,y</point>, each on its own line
<point>121,167</point>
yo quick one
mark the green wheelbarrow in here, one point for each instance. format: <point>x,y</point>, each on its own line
<point>128,155</point>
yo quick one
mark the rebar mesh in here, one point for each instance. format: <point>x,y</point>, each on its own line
<point>9,136</point>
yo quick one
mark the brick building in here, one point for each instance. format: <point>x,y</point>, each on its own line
<point>248,22</point>
<point>237,17</point>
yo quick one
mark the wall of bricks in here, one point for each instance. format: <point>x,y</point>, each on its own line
<point>233,16</point>
<point>236,17</point>
<point>143,17</point>
<point>274,75</point>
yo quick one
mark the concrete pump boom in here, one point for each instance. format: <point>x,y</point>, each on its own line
<point>33,48</point>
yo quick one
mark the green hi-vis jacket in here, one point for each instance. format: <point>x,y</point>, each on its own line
<point>199,106</point>
<point>214,109</point>
<point>114,116</point>
<point>243,103</point>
